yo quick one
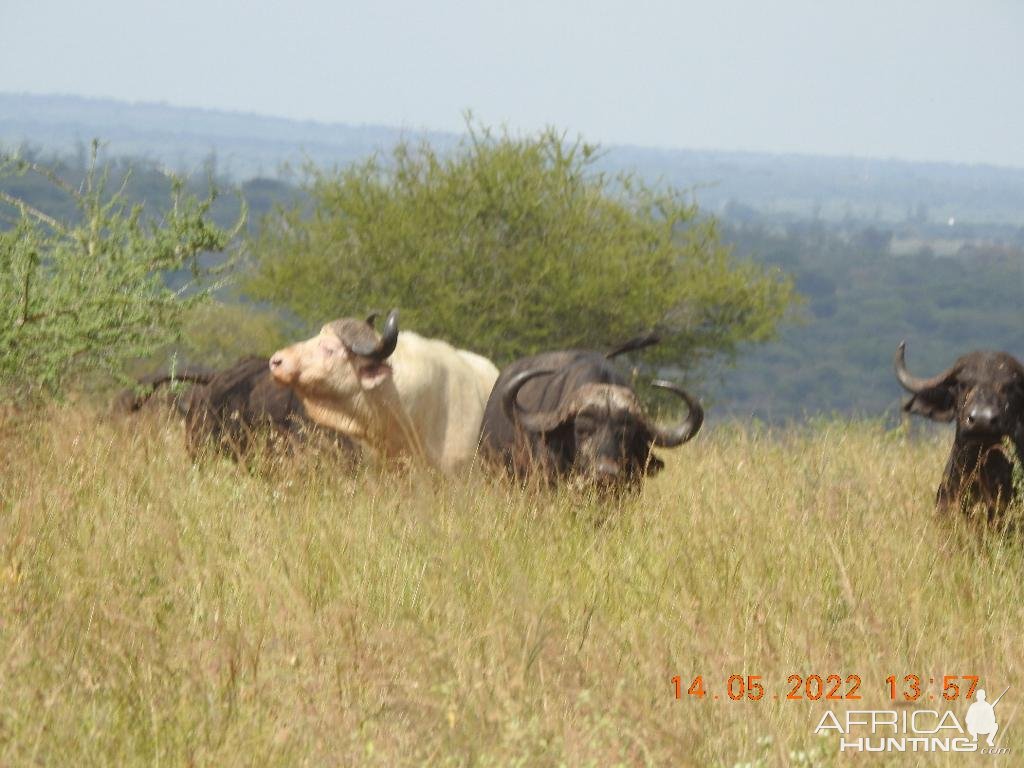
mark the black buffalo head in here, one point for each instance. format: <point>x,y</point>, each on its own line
<point>983,392</point>
<point>600,431</point>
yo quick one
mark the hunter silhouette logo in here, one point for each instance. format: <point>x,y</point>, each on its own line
<point>981,717</point>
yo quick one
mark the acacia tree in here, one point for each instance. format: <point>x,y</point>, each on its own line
<point>85,295</point>
<point>509,246</point>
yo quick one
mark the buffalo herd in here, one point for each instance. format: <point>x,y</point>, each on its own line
<point>562,415</point>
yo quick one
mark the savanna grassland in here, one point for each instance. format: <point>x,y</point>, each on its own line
<point>159,612</point>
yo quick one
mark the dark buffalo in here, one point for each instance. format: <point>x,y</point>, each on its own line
<point>158,390</point>
<point>571,413</point>
<point>984,393</point>
<point>243,404</point>
<point>235,409</point>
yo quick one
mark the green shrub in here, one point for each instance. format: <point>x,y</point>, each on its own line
<point>85,295</point>
<point>509,246</point>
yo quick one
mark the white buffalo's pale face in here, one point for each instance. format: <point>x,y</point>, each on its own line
<point>326,366</point>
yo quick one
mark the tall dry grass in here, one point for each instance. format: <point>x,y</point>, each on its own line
<point>157,612</point>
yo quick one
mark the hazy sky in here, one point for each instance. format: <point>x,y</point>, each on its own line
<point>931,80</point>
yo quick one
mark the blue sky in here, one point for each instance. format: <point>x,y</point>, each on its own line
<point>934,80</point>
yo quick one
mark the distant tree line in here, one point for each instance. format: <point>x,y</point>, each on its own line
<point>861,301</point>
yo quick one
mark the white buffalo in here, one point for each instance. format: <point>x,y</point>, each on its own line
<point>399,393</point>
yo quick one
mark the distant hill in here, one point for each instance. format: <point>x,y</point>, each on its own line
<point>800,187</point>
<point>796,187</point>
<point>244,145</point>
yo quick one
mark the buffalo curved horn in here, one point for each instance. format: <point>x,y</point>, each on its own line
<point>910,382</point>
<point>532,422</point>
<point>672,437</point>
<point>386,345</point>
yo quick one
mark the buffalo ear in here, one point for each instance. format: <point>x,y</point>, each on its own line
<point>643,450</point>
<point>563,433</point>
<point>654,465</point>
<point>373,375</point>
<point>938,404</point>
